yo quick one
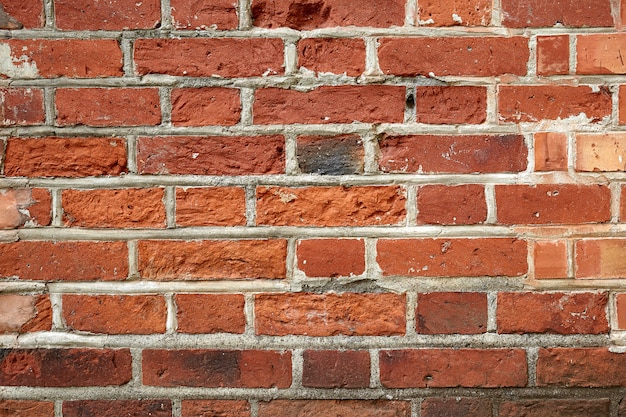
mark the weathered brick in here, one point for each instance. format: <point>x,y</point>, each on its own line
<point>600,258</point>
<point>561,313</point>
<point>460,204</point>
<point>455,12</point>
<point>210,313</point>
<point>217,368</point>
<point>211,155</point>
<point>66,261</point>
<point>335,55</point>
<point>215,408</point>
<point>65,367</point>
<point>620,310</point>
<point>550,259</point>
<point>107,14</point>
<point>330,206</point>
<point>108,106</point>
<point>553,55</point>
<point>573,13</point>
<point>456,407</point>
<point>24,313</point>
<point>327,13</point>
<point>330,314</point>
<point>451,313</point>
<point>622,205</point>
<point>330,155</point>
<point>127,408</point>
<point>344,408</point>
<point>125,208</point>
<point>202,57</point>
<point>550,151</point>
<point>21,107</point>
<point>115,314</point>
<point>331,257</point>
<point>453,154</point>
<point>476,56</point>
<point>451,105</point>
<point>601,54</point>
<point>622,104</point>
<point>532,103</point>
<point>213,206</point>
<point>212,259</point>
<point>569,407</point>
<point>443,368</point>
<point>452,257</point>
<point>65,157</point>
<point>198,14</point>
<point>336,369</point>
<point>25,207</point>
<point>205,106</point>
<point>26,408</point>
<point>601,152</point>
<point>581,367</point>
<point>553,204</point>
<point>330,104</point>
<point>28,12</point>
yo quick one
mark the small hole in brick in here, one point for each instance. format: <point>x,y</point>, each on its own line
<point>410,101</point>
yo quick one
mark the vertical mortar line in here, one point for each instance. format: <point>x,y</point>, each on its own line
<point>49,94</point>
<point>410,113</point>
<point>294,277</point>
<point>529,140</point>
<point>291,154</point>
<point>127,46</point>
<point>412,209</point>
<point>250,205</point>
<point>133,260</point>
<point>166,14</point>
<point>165,95</point>
<point>532,57</point>
<point>131,154</point>
<point>370,153</point>
<point>490,199</point>
<point>615,105</point>
<point>246,95</point>
<point>56,301</point>
<point>374,368</point>
<point>572,54</point>
<point>532,353</point>
<point>245,14</point>
<point>171,321</point>
<point>496,13</point>
<point>248,309</point>
<point>492,104</point>
<point>616,196</point>
<point>372,270</point>
<point>571,258</point>
<point>495,407</point>
<point>410,12</point>
<point>492,311</point>
<point>136,367</point>
<point>3,154</point>
<point>416,405</point>
<point>571,153</point>
<point>177,408</point>
<point>254,407</point>
<point>530,257</point>
<point>614,401</point>
<point>297,367</point>
<point>49,14</point>
<point>58,408</point>
<point>371,57</point>
<point>411,309</point>
<point>57,207</point>
<point>169,200</point>
<point>291,57</point>
<point>612,311</point>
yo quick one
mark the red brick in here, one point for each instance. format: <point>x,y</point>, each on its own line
<point>65,157</point>
<point>336,369</point>
<point>215,408</point>
<point>550,259</point>
<point>76,58</point>
<point>202,57</point>
<point>451,105</point>
<point>622,105</point>
<point>330,155</point>
<point>553,204</point>
<point>25,207</point>
<point>126,208</point>
<point>66,261</point>
<point>456,407</point>
<point>205,106</point>
<point>573,13</point>
<point>622,205</point>
<point>555,407</point>
<point>211,155</point>
<point>601,152</point>
<point>107,14</point>
<point>455,12</point>
<point>343,408</point>
<point>212,259</point>
<point>601,54</point>
<point>330,314</point>
<point>447,368</point>
<point>108,106</point>
<point>23,408</point>
<point>335,55</point>
<point>28,12</point>
<point>460,204</point>
<point>195,14</point>
<point>330,104</point>
<point>532,103</point>
<point>560,313</point>
<point>327,13</point>
<point>477,56</point>
<point>24,313</point>
<point>553,55</point>
<point>452,257</point>
<point>330,206</point>
<point>600,258</point>
<point>213,206</point>
<point>620,310</point>
<point>550,151</point>
<point>21,107</point>
<point>581,367</point>
<point>217,368</point>
<point>453,154</point>
<point>210,313</point>
<point>65,367</point>
<point>115,314</point>
<point>331,257</point>
<point>622,21</point>
<point>126,408</point>
<point>451,313</point>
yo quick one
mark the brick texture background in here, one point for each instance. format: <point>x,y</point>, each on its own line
<point>298,208</point>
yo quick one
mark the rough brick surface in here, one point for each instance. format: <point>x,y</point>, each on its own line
<point>216,408</point>
<point>456,407</point>
<point>205,106</point>
<point>339,56</point>
<point>461,204</point>
<point>210,313</point>
<point>213,206</point>
<point>25,313</point>
<point>451,105</point>
<point>550,151</point>
<point>538,13</point>
<point>455,13</point>
<point>550,259</point>
<point>130,408</point>
<point>622,105</point>
<point>601,152</point>
<point>330,155</point>
<point>562,407</point>
<point>25,207</point>
<point>197,14</point>
<point>600,258</point>
<point>601,54</point>
<point>450,313</point>
<point>331,257</point>
<point>580,367</point>
<point>348,408</point>
<point>336,369</point>
<point>553,55</point>
<point>17,408</point>
<point>107,14</point>
<point>28,12</point>
<point>21,107</point>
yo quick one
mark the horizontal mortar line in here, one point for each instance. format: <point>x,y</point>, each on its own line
<point>576,284</point>
<point>154,287</point>
<point>247,342</point>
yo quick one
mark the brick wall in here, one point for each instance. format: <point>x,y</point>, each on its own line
<point>394,208</point>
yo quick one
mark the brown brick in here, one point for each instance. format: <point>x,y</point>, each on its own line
<point>25,408</point>
<point>331,257</point>
<point>455,12</point>
<point>553,55</point>
<point>115,314</point>
<point>330,314</point>
<point>601,152</point>
<point>451,313</point>
<point>622,104</point>
<point>571,13</point>
<point>126,408</point>
<point>107,14</point>
<point>210,313</point>
<point>600,258</point>
<point>620,310</point>
<point>194,14</point>
<point>550,151</point>
<point>65,367</point>
<point>555,407</point>
<point>452,257</point>
<point>460,204</point>
<point>21,107</point>
<point>25,207</point>
<point>217,368</point>
<point>215,408</point>
<point>446,368</point>
<point>330,155</point>
<point>27,12</point>
<point>213,206</point>
<point>212,259</point>
<point>560,313</point>
<point>451,105</point>
<point>205,106</point>
<point>550,259</point>
<point>581,367</point>
<point>66,261</point>
<point>336,369</point>
<point>330,206</point>
<point>601,54</point>
<point>25,313</point>
<point>453,154</point>
<point>335,55</point>
<point>343,408</point>
<point>456,407</point>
